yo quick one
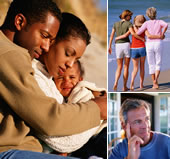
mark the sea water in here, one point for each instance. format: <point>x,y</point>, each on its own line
<point>115,8</point>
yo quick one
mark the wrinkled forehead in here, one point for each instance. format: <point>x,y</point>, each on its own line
<point>138,113</point>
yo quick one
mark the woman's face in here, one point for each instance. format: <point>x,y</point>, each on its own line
<point>63,54</point>
<point>128,18</point>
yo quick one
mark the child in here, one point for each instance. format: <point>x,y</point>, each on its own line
<point>73,88</point>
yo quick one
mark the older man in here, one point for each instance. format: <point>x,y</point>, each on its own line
<point>140,142</point>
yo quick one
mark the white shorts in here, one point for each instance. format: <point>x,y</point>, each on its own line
<point>122,50</point>
<point>154,55</point>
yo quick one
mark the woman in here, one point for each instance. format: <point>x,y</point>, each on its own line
<point>68,47</point>
<point>122,47</point>
<point>154,46</point>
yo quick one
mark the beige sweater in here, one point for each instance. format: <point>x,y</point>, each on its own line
<point>23,105</point>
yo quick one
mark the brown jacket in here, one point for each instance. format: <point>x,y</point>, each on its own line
<point>23,105</point>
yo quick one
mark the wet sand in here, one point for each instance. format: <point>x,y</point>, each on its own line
<point>164,83</point>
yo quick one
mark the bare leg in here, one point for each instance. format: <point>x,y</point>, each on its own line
<point>142,70</point>
<point>155,84</point>
<point>134,72</point>
<point>126,73</point>
<point>118,73</point>
<point>156,77</point>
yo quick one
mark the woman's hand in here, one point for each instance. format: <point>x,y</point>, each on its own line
<point>110,51</point>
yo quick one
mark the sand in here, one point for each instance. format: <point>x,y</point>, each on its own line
<point>164,83</point>
<point>94,61</point>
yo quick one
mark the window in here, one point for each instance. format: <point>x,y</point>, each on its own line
<point>113,117</point>
<point>165,115</point>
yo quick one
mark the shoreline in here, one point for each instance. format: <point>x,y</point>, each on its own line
<point>164,83</point>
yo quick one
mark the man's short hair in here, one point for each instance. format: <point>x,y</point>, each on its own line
<point>33,10</point>
<point>130,104</point>
<point>72,26</point>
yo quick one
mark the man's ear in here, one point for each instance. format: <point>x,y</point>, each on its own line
<point>123,125</point>
<point>20,21</point>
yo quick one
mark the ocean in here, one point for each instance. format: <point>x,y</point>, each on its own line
<point>115,8</point>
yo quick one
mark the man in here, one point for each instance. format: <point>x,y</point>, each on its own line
<point>141,142</point>
<point>33,25</point>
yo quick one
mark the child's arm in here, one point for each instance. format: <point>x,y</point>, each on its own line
<point>98,93</point>
<point>110,41</point>
<point>154,36</point>
<point>123,36</point>
<point>135,35</point>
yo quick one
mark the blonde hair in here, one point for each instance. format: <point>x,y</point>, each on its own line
<point>125,13</point>
<point>151,13</point>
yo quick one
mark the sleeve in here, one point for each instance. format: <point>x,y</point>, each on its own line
<point>130,25</point>
<point>142,28</point>
<point>20,91</point>
<point>68,144</point>
<point>115,154</point>
<point>83,92</point>
<point>114,26</point>
<point>120,151</point>
<point>163,23</point>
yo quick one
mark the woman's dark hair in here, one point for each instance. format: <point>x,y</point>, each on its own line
<point>33,10</point>
<point>72,26</point>
<point>81,68</point>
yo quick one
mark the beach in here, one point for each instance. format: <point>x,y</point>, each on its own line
<point>137,7</point>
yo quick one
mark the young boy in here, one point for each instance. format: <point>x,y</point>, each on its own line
<point>73,88</point>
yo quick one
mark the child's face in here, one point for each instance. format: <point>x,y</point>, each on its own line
<point>67,81</point>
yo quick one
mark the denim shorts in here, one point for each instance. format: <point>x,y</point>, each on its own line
<point>137,52</point>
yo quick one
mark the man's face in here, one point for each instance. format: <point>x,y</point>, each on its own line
<point>66,82</point>
<point>37,38</point>
<point>62,55</point>
<point>139,121</point>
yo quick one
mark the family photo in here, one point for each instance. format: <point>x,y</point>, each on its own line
<point>138,38</point>
<point>53,103</point>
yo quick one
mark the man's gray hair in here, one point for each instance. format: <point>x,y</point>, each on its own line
<point>130,104</point>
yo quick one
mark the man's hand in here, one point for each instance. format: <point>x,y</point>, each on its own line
<point>102,103</point>
<point>133,144</point>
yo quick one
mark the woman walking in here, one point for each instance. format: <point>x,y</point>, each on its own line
<point>154,46</point>
<point>122,47</point>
